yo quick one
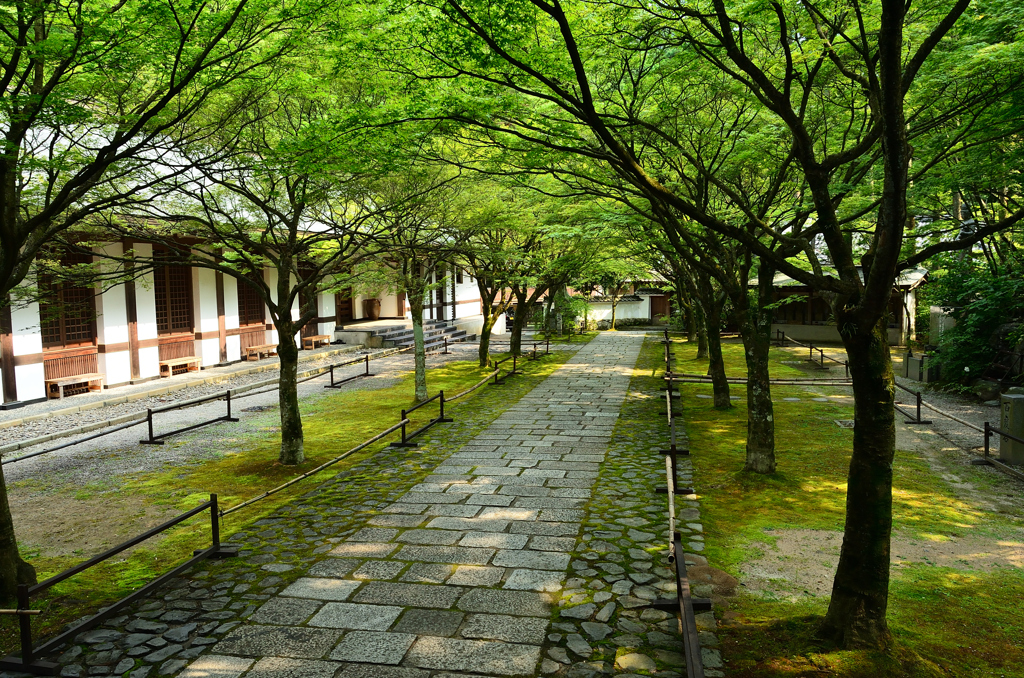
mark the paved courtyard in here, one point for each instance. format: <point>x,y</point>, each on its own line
<point>529,548</point>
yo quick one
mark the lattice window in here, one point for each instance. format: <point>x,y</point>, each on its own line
<point>173,290</point>
<point>68,314</point>
<point>251,310</point>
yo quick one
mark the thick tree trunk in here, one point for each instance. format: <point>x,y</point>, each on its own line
<point>716,366</point>
<point>13,570</point>
<point>292,451</point>
<point>856,613</point>
<point>755,328</point>
<point>420,353</point>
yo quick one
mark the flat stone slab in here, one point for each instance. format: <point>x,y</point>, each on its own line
<point>217,666</point>
<point>430,622</point>
<point>495,540</point>
<point>414,595</point>
<point>520,603</point>
<point>456,555</point>
<point>379,569</point>
<point>373,647</point>
<point>548,529</point>
<point>535,580</point>
<point>430,537</point>
<point>493,658</point>
<point>356,616</point>
<point>374,534</point>
<point>362,550</point>
<point>531,630</point>
<point>478,524</point>
<point>279,641</point>
<point>428,573</point>
<point>334,567</point>
<point>534,560</point>
<point>321,589</point>
<point>476,575</point>
<point>378,671</point>
<point>285,611</point>
<point>282,667</point>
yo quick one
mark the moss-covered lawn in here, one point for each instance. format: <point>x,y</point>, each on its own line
<point>965,622</point>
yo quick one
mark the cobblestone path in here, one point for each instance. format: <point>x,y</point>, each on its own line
<point>458,574</point>
<point>498,562</point>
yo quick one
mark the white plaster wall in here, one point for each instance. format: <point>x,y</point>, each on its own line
<point>27,339</point>
<point>467,291</point>
<point>325,304</point>
<point>145,314</point>
<point>602,310</point>
<point>204,313</point>
<point>26,334</point>
<point>388,306</point>
<point>234,343</point>
<point>270,275</point>
<point>112,325</point>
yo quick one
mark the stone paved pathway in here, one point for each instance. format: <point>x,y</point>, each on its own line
<point>458,574</point>
<point>529,551</point>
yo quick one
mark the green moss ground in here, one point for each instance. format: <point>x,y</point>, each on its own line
<point>965,622</point>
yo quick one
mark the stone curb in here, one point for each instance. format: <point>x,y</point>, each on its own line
<point>125,418</point>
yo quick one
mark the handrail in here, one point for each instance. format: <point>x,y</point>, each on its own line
<point>28,660</point>
<point>366,372</point>
<point>407,437</point>
<point>989,431</point>
<point>115,429</point>
<point>917,397</point>
<point>780,336</point>
<point>156,439</point>
<point>474,386</point>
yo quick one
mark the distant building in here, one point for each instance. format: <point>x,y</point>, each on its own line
<point>806,315</point>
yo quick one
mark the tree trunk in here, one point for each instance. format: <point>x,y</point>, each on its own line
<point>515,341</point>
<point>288,397</point>
<point>614,304</point>
<point>856,613</point>
<point>420,353</point>
<point>756,327</point>
<point>485,338</point>
<point>716,366</point>
<point>701,320</point>
<point>13,570</point>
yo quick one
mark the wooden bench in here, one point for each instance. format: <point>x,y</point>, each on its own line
<point>55,387</point>
<point>311,342</point>
<point>191,362</point>
<point>255,352</point>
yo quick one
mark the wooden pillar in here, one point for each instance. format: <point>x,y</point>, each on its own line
<point>10,383</point>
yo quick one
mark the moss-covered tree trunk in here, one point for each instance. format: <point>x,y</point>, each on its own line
<point>292,451</point>
<point>856,613</point>
<point>420,353</point>
<point>13,570</point>
<point>485,338</point>
<point>755,329</point>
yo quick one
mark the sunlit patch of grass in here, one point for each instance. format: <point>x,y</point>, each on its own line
<point>964,622</point>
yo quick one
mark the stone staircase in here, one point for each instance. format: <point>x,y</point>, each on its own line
<point>434,334</point>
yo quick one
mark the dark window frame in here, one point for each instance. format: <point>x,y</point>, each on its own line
<point>172,297</point>
<point>59,328</point>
